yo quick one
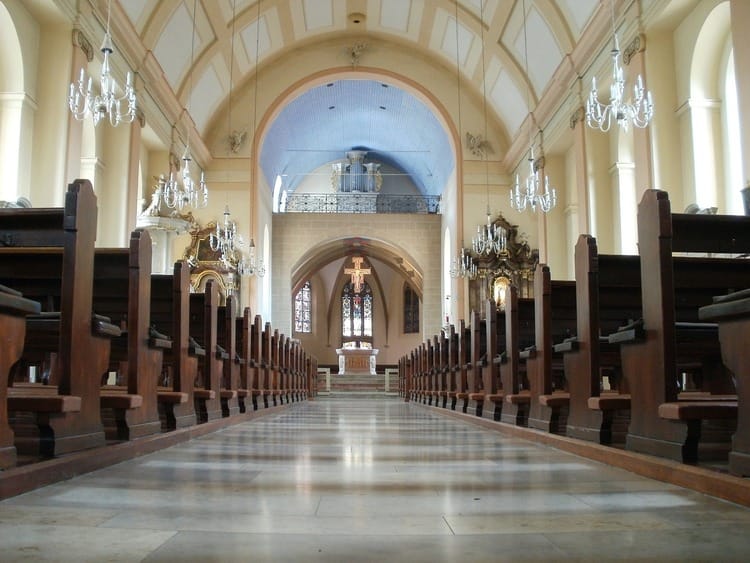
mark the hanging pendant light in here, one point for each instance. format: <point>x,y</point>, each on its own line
<point>534,193</point>
<point>638,112</point>
<point>83,102</point>
<point>490,238</point>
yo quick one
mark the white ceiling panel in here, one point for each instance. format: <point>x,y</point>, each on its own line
<point>134,10</point>
<point>578,12</point>
<point>544,52</point>
<point>508,101</point>
<point>465,39</point>
<point>318,13</point>
<point>256,34</point>
<point>174,46</point>
<point>394,14</point>
<point>206,95</point>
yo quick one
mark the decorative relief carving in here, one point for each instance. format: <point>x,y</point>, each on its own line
<point>637,45</point>
<point>80,41</point>
<point>577,116</point>
<point>477,145</point>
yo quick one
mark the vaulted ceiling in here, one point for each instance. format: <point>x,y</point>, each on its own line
<point>487,43</point>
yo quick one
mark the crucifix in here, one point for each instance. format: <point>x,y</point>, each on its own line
<point>357,273</point>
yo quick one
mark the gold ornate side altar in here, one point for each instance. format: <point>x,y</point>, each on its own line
<point>513,267</point>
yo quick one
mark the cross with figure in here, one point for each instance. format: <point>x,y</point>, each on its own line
<point>357,273</point>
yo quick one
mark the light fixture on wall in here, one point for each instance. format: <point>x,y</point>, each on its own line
<point>490,238</point>
<point>638,112</point>
<point>531,194</point>
<point>186,193</point>
<point>84,102</point>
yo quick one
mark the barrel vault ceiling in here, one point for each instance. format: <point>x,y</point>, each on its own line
<point>429,26</point>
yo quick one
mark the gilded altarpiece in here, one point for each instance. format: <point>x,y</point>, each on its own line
<point>515,266</point>
<point>206,264</point>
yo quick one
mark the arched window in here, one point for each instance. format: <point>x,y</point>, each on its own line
<point>356,316</point>
<point>411,310</point>
<point>303,309</point>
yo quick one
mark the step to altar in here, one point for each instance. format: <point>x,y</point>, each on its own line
<point>353,383</point>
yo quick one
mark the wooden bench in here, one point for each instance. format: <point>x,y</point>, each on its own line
<point>608,295</point>
<point>170,316</point>
<point>231,395</point>
<point>732,313</point>
<point>441,396</point>
<point>203,331</point>
<point>247,364</point>
<point>464,365</point>
<point>474,381</point>
<point>269,396</point>
<point>491,380</point>
<point>554,321</point>
<point>673,288</point>
<point>122,292</point>
<point>13,311</point>
<point>49,254</point>
<point>519,340</point>
<point>454,369</point>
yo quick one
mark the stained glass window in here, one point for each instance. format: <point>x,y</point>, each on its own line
<point>356,311</point>
<point>411,310</point>
<point>302,309</point>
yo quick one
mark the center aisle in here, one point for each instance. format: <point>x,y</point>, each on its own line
<point>366,480</point>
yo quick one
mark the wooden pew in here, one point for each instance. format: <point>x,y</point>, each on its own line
<point>454,369</point>
<point>248,364</point>
<point>267,365</point>
<point>231,395</point>
<point>464,363</point>
<point>491,380</point>
<point>122,293</point>
<point>478,364</point>
<point>673,288</point>
<point>49,252</point>
<point>170,315</point>
<point>732,313</point>
<point>554,321</point>
<point>444,370</point>
<point>275,377</point>
<point>608,296</point>
<point>13,310</point>
<point>203,329</point>
<point>519,338</point>
<point>259,385</point>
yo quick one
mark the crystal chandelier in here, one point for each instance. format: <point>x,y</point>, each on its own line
<point>464,266</point>
<point>638,112</point>
<point>490,238</point>
<point>531,194</point>
<point>228,242</point>
<point>185,193</point>
<point>83,102</point>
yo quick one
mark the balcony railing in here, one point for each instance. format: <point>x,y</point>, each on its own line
<point>360,203</point>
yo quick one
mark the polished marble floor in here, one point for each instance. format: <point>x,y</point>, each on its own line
<point>367,480</point>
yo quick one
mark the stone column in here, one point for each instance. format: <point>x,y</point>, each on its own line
<point>541,217</point>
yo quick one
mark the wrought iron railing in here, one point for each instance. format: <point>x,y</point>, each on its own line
<point>360,203</point>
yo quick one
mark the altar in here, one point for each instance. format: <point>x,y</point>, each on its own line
<point>357,361</point>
